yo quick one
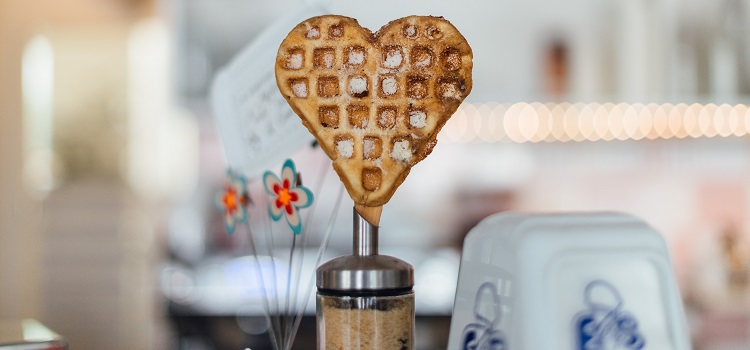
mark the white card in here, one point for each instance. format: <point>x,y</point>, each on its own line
<point>258,128</point>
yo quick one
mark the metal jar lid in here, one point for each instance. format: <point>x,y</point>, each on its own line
<point>365,270</point>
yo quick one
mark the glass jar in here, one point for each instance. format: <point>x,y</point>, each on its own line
<point>365,300</point>
<point>366,322</point>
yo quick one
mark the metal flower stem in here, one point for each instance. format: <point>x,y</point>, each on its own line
<point>270,246</point>
<point>289,286</point>
<point>289,270</point>
<point>321,250</point>
<point>298,271</point>
<point>262,287</point>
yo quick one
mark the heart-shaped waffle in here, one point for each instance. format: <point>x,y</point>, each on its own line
<point>375,102</point>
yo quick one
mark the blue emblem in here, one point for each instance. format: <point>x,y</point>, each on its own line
<point>483,334</point>
<point>604,325</point>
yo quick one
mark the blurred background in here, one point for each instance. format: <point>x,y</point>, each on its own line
<point>110,157</point>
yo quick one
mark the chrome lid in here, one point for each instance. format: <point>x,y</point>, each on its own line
<point>365,270</point>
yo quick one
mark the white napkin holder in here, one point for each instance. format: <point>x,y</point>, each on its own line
<point>595,281</point>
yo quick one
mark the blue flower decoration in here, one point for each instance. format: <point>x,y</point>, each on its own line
<point>233,200</point>
<point>287,196</point>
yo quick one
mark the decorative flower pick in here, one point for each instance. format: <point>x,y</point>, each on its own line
<point>287,196</point>
<point>233,200</point>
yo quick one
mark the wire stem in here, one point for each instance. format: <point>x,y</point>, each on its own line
<point>323,173</point>
<point>270,246</point>
<point>321,250</point>
<point>271,332</point>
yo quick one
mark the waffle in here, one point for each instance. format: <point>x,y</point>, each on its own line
<point>375,102</point>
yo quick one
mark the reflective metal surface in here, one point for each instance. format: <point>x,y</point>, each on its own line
<point>29,334</point>
<point>365,240</point>
<point>365,270</point>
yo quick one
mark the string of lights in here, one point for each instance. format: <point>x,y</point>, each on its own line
<point>563,122</point>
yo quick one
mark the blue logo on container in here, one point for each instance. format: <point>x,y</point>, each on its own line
<point>483,333</point>
<point>604,325</point>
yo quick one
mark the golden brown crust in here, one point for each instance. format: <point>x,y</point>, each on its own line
<point>345,83</point>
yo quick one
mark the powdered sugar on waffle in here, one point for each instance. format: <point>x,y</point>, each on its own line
<point>369,147</point>
<point>418,119</point>
<point>410,31</point>
<point>345,148</point>
<point>295,61</point>
<point>393,59</point>
<point>425,62</point>
<point>328,60</point>
<point>300,89</point>
<point>356,58</point>
<point>357,85</point>
<point>390,85</point>
<point>401,151</point>
<point>313,33</point>
<point>451,92</point>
